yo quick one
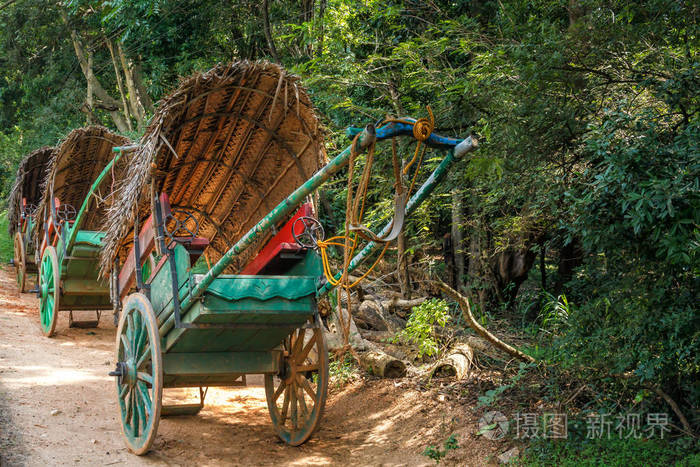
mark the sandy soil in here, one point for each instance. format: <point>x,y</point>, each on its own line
<point>58,406</point>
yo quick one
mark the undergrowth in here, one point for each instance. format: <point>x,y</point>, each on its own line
<point>6,246</point>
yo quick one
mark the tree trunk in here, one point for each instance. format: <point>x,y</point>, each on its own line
<point>457,363</point>
<point>134,101</point>
<point>543,270</point>
<point>141,88</point>
<point>402,267</point>
<point>120,85</point>
<point>449,259</point>
<point>570,256</point>
<point>321,14</point>
<point>91,120</point>
<point>108,102</point>
<point>268,32</point>
<point>474,269</point>
<point>381,364</point>
<point>457,237</point>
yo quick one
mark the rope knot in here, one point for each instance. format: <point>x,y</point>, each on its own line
<point>422,129</point>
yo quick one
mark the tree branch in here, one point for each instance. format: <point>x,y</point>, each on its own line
<point>473,323</point>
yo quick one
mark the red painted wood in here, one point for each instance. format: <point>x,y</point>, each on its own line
<point>283,242</point>
<point>127,275</point>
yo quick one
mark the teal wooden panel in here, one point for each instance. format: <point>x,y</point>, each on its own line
<point>84,302</point>
<point>220,363</point>
<point>311,265</point>
<point>89,237</point>
<point>230,287</point>
<point>161,285</point>
<point>274,311</point>
<point>201,381</point>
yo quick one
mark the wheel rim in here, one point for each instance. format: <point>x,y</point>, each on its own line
<point>19,261</point>
<point>139,384</point>
<point>48,286</point>
<point>297,396</point>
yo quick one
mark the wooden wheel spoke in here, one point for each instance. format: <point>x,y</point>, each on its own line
<point>135,415</point>
<point>145,397</point>
<point>129,408</point>
<point>298,342</point>
<point>309,390</point>
<point>293,397</point>
<point>305,351</point>
<point>145,377</point>
<point>137,335</point>
<point>285,405</point>
<point>130,332</point>
<point>145,354</point>
<point>124,391</point>
<point>311,367</point>
<point>279,390</point>
<point>302,401</point>
<point>125,344</point>
<point>140,413</point>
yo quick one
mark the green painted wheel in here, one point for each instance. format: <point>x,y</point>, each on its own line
<point>297,396</point>
<point>139,373</point>
<point>20,262</point>
<point>49,289</point>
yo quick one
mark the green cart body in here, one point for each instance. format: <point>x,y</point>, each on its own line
<point>22,206</point>
<point>178,328</point>
<point>69,240</point>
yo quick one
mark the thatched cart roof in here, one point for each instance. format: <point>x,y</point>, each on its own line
<point>75,165</point>
<point>30,178</point>
<point>227,146</point>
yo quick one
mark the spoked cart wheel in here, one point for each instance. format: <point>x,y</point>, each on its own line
<point>297,396</point>
<point>49,289</point>
<point>139,373</point>
<point>20,262</point>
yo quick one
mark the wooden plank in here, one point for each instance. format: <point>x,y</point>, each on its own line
<point>220,363</point>
<point>127,275</point>
<point>85,287</point>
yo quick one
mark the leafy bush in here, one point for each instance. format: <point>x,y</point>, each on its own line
<point>420,330</point>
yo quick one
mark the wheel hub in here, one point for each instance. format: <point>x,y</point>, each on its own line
<point>126,372</point>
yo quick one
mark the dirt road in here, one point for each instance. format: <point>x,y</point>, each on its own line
<point>58,406</point>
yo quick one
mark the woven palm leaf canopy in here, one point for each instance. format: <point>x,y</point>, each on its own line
<point>30,178</point>
<point>226,146</point>
<point>75,165</point>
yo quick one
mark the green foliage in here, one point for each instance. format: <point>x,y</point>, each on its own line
<point>420,328</point>
<point>555,312</point>
<point>493,395</point>
<point>684,452</point>
<point>342,371</point>
<point>436,454</point>
<point>589,127</point>
<point>7,247</point>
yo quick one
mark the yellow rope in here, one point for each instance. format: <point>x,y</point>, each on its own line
<point>355,207</point>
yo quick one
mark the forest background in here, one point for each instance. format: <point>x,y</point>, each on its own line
<point>575,224</point>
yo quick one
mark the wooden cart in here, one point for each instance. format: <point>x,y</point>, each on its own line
<point>178,328</point>
<point>69,239</point>
<point>22,206</point>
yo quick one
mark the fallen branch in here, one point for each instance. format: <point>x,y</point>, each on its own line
<point>674,407</point>
<point>482,331</point>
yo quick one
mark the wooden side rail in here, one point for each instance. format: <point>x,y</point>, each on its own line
<point>147,243</point>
